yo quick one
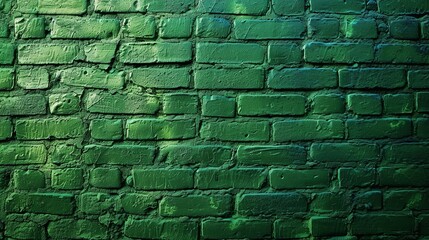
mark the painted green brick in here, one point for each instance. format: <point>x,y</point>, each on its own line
<point>141,26</point>
<point>84,28</point>
<point>92,78</point>
<point>77,229</point>
<point>58,128</point>
<point>344,152</point>
<point>292,179</point>
<point>337,6</point>
<point>218,106</point>
<point>175,27</point>
<point>271,155</point>
<point>4,28</point>
<point>24,230</point>
<point>285,8</point>
<point>236,228</point>
<point>402,53</point>
<point>404,28</point>
<point>32,78</point>
<point>114,155</point>
<point>423,224</point>
<point>48,53</point>
<point>302,78</point>
<point>242,7</point>
<point>364,104</point>
<point>257,204</point>
<point>152,128</point>
<point>67,179</point>
<point>7,51</point>
<point>382,224</point>
<point>136,203</point>
<point>64,153</point>
<point>264,104</point>
<point>329,202</point>
<point>318,52</point>
<point>284,53</point>
<point>100,52</point>
<point>211,27</point>
<point>23,154</point>
<point>368,200</point>
<point>6,128</point>
<point>229,78</point>
<point>116,6</point>
<point>106,129</point>
<point>7,77</point>
<point>95,203</point>
<point>196,205</point>
<point>400,177</point>
<point>230,53</point>
<point>72,7</point>
<point>180,103</point>
<point>242,131</point>
<point>104,102</point>
<point>157,228</point>
<point>327,226</point>
<point>215,178</point>
<point>64,103</point>
<point>105,178</point>
<point>422,127</point>
<point>372,78</point>
<point>29,27</point>
<point>361,28</point>
<point>356,177</point>
<point>393,7</point>
<point>398,103</point>
<point>406,153</point>
<point>379,128</point>
<point>163,179</point>
<point>30,104</point>
<point>328,104</point>
<point>155,52</point>
<point>122,6</point>
<point>291,228</point>
<point>204,155</point>
<point>167,78</point>
<point>422,102</point>
<point>28,180</point>
<point>47,203</point>
<point>399,200</point>
<point>418,79</point>
<point>323,28</point>
<point>250,29</point>
<point>310,129</point>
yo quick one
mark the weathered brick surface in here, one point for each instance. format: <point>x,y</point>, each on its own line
<point>214,119</point>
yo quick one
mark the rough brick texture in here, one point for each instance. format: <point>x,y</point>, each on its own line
<point>214,119</point>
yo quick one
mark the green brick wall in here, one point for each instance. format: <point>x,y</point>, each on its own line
<point>214,119</point>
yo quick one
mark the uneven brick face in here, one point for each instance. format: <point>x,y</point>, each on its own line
<point>214,119</point>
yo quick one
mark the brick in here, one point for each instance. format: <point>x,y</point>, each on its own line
<point>24,230</point>
<point>230,53</point>
<point>285,8</point>
<point>116,6</point>
<point>163,179</point>
<point>211,27</point>
<point>361,28</point>
<point>84,28</point>
<point>141,26</point>
<point>23,154</point>
<point>215,178</point>
<point>247,7</point>
<point>114,155</point>
<point>422,128</point>
<point>4,29</point>
<point>27,28</point>
<point>405,28</point>
<point>218,106</point>
<point>372,78</point>
<point>393,7</point>
<point>48,53</point>
<point>161,77</point>
<point>398,103</point>
<point>64,153</point>
<point>337,6</point>
<point>253,29</point>
<point>365,104</point>
<point>100,52</point>
<point>33,78</point>
<point>309,130</point>
<point>271,105</point>
<point>344,152</point>
<point>136,203</point>
<point>261,204</point>
<point>95,203</point>
<point>204,155</point>
<point>291,228</point>
<point>329,202</point>
<point>242,131</point>
<point>77,229</point>
<point>7,77</point>
<point>379,128</point>
<point>236,228</point>
<point>369,200</point>
<point>424,27</point>
<point>393,224</point>
<point>422,102</point>
<point>318,52</point>
<point>152,128</point>
<point>50,128</point>
<point>106,129</point>
<point>356,177</point>
<point>400,200</point>
<point>401,177</point>
<point>196,206</point>
<point>328,104</point>
<point>402,53</point>
<point>155,52</point>
<point>67,179</point>
<point>327,226</point>
<point>92,78</point>
<point>284,53</point>
<point>72,7</point>
<point>109,178</point>
<point>323,28</point>
<point>64,103</point>
<point>6,128</point>
<point>30,104</point>
<point>161,229</point>
<point>271,155</point>
<point>418,79</point>
<point>7,51</point>
<point>423,224</point>
<point>302,78</point>
<point>104,102</point>
<point>229,78</point>
<point>28,180</point>
<point>180,103</point>
<point>410,153</point>
<point>175,27</point>
<point>46,203</point>
<point>292,179</point>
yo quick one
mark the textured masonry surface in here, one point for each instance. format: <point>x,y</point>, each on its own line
<point>214,119</point>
